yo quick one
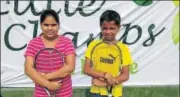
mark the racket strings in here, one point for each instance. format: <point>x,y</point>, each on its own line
<point>107,52</point>
<point>48,61</point>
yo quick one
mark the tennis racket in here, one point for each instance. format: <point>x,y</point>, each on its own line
<point>108,58</point>
<point>49,60</point>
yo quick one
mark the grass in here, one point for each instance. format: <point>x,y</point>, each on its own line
<point>130,91</point>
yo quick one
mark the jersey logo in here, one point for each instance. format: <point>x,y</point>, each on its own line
<point>107,59</point>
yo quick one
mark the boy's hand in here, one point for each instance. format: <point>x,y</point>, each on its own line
<point>110,80</point>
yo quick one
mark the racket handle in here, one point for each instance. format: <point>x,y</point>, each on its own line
<point>47,92</point>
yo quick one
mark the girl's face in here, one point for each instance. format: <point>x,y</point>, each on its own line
<point>50,27</point>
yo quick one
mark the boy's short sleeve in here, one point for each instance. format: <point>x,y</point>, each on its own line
<point>89,49</point>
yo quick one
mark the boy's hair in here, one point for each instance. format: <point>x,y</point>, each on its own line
<point>110,15</point>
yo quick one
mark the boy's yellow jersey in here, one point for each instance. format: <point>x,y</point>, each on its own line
<point>113,67</point>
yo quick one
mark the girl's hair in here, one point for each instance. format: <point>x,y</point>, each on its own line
<point>49,12</point>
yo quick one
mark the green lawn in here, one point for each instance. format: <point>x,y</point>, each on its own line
<point>152,91</point>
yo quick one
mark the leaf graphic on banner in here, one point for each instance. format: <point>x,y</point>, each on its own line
<point>133,68</point>
<point>176,2</point>
<point>143,2</point>
<point>175,29</point>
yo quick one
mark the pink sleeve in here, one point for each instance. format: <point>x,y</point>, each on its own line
<point>30,50</point>
<point>69,49</point>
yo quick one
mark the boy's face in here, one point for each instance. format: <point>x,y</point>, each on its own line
<point>109,30</point>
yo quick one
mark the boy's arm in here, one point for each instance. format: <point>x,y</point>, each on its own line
<point>124,75</point>
<point>88,70</point>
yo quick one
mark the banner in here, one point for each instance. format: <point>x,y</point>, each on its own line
<point>150,29</point>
